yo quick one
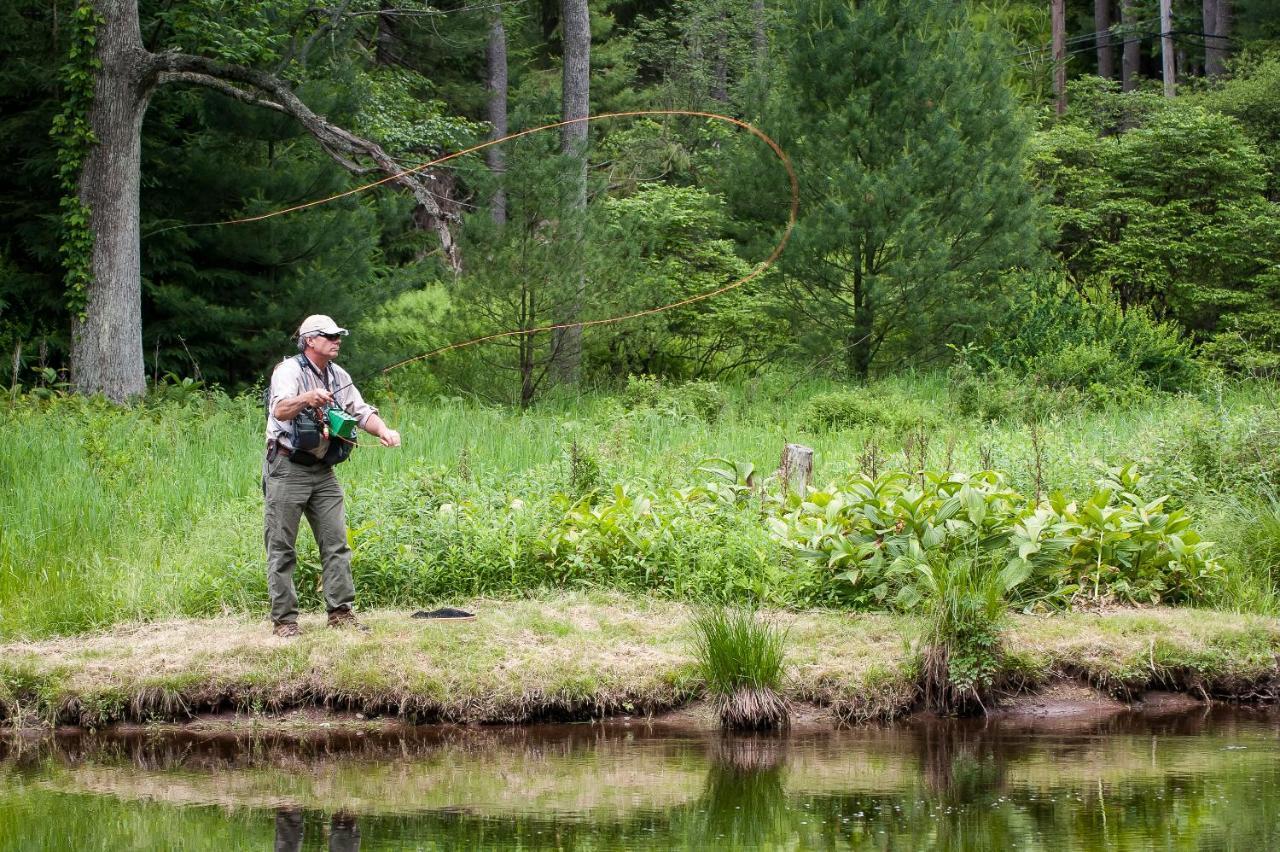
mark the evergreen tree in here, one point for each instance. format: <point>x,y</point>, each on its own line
<point>910,152</point>
<point>32,313</point>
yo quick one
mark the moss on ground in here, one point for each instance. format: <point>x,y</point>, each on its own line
<point>579,656</point>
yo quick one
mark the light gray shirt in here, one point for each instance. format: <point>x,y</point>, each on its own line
<point>291,378</point>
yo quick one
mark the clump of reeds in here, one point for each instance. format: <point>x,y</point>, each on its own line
<point>741,659</point>
<point>965,606</point>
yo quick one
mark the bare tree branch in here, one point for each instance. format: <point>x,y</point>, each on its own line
<point>219,85</point>
<point>341,144</point>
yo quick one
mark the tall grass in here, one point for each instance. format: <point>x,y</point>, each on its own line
<point>964,606</point>
<point>741,660</point>
<point>110,514</point>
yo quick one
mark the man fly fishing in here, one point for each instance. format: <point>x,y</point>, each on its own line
<point>312,409</point>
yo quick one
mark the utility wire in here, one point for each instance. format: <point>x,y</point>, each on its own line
<point>1120,30</point>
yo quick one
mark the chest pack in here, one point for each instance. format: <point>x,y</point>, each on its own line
<point>310,427</point>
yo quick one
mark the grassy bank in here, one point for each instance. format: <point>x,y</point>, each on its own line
<point>582,656</point>
<point>114,515</point>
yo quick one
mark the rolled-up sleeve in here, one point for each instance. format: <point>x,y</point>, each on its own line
<point>353,403</point>
<point>284,385</point>
<point>286,382</point>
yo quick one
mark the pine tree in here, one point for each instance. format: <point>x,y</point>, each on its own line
<point>910,151</point>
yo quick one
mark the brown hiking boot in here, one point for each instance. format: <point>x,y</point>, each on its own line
<point>344,619</point>
<point>286,630</point>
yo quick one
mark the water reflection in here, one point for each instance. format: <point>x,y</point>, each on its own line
<point>344,833</point>
<point>1120,782</point>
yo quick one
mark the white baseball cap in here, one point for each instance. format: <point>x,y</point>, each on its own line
<point>319,324</point>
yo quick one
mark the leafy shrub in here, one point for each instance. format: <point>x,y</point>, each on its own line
<point>1093,369</point>
<point>964,605</point>
<point>641,392</point>
<point>851,409</point>
<point>876,535</point>
<point>701,399</point>
<point>1090,344</point>
<point>1222,451</point>
<point>436,535</point>
<point>583,469</point>
<point>705,398</point>
<point>1117,546</point>
<point>998,394</point>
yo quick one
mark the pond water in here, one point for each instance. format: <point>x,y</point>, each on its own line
<point>1208,779</point>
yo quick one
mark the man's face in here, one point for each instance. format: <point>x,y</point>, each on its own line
<point>323,346</point>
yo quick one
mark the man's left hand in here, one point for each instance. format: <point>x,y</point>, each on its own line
<point>389,438</point>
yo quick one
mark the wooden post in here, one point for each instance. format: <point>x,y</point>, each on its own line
<point>1166,45</point>
<point>796,469</point>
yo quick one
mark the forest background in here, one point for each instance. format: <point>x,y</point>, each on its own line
<point>1014,250</point>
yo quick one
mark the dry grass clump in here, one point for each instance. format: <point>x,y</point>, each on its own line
<point>741,659</point>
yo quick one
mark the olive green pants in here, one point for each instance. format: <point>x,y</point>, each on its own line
<point>291,491</point>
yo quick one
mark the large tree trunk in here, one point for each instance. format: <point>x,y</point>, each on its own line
<point>385,39</point>
<point>1102,26</point>
<point>496,84</point>
<point>1129,55</point>
<point>1058,24</point>
<point>106,345</point>
<point>575,27</point>
<point>1217,28</point>
<point>859,346</point>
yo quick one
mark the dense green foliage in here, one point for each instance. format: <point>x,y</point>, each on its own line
<point>667,490</point>
<point>909,148</point>
<point>1171,214</point>
<point>915,127</point>
<point>1081,292</point>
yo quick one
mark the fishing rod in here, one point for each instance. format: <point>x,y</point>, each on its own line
<point>760,268</point>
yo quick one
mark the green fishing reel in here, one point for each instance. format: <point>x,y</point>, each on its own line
<point>341,424</point>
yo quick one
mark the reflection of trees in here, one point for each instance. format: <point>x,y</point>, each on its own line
<point>1164,782</point>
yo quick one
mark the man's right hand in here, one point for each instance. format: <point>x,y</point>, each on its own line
<point>317,397</point>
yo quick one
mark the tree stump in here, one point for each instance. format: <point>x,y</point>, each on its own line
<point>796,468</point>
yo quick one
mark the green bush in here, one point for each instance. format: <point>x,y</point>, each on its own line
<point>996,393</point>
<point>701,399</point>
<point>1093,369</point>
<point>851,409</point>
<point>1109,354</point>
<point>1220,450</point>
<point>964,605</point>
<point>873,536</point>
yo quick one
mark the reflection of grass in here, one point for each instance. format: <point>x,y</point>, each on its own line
<point>744,802</point>
<point>943,787</point>
<point>606,780</point>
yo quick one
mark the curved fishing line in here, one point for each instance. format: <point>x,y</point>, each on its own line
<point>792,215</point>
